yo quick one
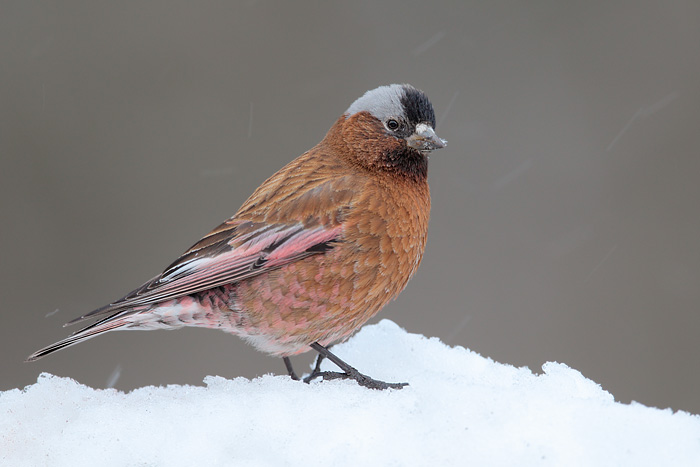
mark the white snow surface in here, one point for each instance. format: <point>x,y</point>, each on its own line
<point>460,409</point>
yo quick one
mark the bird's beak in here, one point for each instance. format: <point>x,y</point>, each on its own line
<point>425,139</point>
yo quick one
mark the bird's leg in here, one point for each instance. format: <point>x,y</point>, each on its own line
<point>349,372</point>
<point>290,370</point>
<point>317,368</point>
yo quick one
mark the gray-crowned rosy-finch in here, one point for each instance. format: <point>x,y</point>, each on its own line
<point>317,250</point>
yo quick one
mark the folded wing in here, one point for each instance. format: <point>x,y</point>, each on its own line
<point>215,261</point>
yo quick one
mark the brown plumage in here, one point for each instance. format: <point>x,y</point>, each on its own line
<point>317,250</point>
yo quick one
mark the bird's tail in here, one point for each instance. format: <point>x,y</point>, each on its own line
<point>111,323</point>
<point>200,310</point>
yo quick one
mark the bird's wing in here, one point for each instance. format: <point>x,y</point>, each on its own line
<point>230,253</point>
<point>296,213</point>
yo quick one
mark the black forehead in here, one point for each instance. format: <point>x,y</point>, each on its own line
<point>417,107</point>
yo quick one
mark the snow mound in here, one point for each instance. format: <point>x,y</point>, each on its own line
<point>460,409</point>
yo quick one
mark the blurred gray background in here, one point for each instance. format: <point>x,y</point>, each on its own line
<point>565,221</point>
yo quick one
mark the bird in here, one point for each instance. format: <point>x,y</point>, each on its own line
<point>314,253</point>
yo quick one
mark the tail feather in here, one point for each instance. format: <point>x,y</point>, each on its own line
<point>109,319</point>
<point>106,325</point>
<point>202,310</point>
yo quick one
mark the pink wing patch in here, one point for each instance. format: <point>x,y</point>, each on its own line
<point>258,251</point>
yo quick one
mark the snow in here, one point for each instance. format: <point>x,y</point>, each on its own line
<point>460,409</point>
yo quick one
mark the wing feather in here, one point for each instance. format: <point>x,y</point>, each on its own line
<point>277,225</point>
<point>265,248</point>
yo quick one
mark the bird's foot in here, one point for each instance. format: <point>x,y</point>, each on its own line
<point>362,380</point>
<point>317,368</point>
<point>349,372</point>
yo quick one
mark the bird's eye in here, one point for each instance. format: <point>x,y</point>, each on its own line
<point>392,124</point>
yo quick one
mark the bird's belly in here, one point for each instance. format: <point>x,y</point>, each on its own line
<point>323,298</point>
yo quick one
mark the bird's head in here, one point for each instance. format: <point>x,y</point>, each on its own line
<point>390,127</point>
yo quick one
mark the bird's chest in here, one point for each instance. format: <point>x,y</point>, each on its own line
<point>386,231</point>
